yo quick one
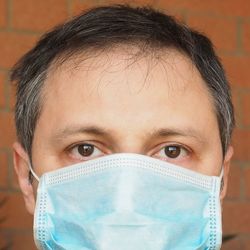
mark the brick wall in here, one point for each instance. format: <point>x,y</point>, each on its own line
<point>227,23</point>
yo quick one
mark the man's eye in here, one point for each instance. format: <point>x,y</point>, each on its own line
<point>172,152</point>
<point>85,151</point>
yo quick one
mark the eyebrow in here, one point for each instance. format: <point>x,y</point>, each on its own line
<point>73,130</point>
<point>106,133</point>
<point>183,132</point>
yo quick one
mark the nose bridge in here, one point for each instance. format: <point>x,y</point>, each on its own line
<point>131,143</point>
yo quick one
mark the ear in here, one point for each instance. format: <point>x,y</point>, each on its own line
<point>21,165</point>
<point>226,167</point>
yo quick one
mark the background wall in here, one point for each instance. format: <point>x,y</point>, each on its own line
<point>226,22</point>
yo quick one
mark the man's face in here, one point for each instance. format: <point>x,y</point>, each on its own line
<point>112,103</point>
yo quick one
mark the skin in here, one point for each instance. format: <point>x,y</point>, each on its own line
<point>121,104</point>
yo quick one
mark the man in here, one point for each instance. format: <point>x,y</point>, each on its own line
<point>124,117</point>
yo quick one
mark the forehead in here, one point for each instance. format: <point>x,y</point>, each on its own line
<point>101,86</point>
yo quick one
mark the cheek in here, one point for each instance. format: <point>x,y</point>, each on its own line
<point>213,157</point>
<point>213,162</point>
<point>45,155</point>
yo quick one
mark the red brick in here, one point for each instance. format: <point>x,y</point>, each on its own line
<point>3,169</point>
<point>234,181</point>
<point>3,13</point>
<point>12,96</point>
<point>13,46</point>
<point>11,93</point>
<point>238,243</point>
<point>237,69</point>
<point>246,37</point>
<point>7,131</point>
<point>246,109</point>
<point>177,13</point>
<point>233,244</point>
<point>246,242</point>
<point>40,16</point>
<point>14,213</point>
<point>241,143</point>
<point>236,217</point>
<point>237,105</point>
<point>229,7</point>
<point>8,96</point>
<point>78,6</point>
<point>23,241</point>
<point>221,31</point>
<point>4,240</point>
<point>247,182</point>
<point>2,91</point>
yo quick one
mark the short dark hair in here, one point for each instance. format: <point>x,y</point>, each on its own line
<point>104,27</point>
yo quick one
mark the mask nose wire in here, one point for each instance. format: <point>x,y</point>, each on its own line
<point>220,177</point>
<point>33,172</point>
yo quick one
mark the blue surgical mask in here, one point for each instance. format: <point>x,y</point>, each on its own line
<point>127,202</point>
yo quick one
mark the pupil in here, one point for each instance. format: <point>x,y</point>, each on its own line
<point>85,150</point>
<point>172,151</point>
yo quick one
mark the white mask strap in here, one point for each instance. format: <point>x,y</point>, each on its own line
<point>221,173</point>
<point>221,179</point>
<point>33,172</point>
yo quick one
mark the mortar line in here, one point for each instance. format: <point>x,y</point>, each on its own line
<point>21,31</point>
<point>4,90</point>
<point>8,91</point>
<point>9,14</point>
<point>239,122</point>
<point>242,184</point>
<point>239,35</point>
<point>4,70</point>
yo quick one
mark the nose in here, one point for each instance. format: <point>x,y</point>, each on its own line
<point>130,144</point>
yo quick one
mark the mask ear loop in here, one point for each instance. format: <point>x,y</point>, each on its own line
<point>33,172</point>
<point>221,177</point>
